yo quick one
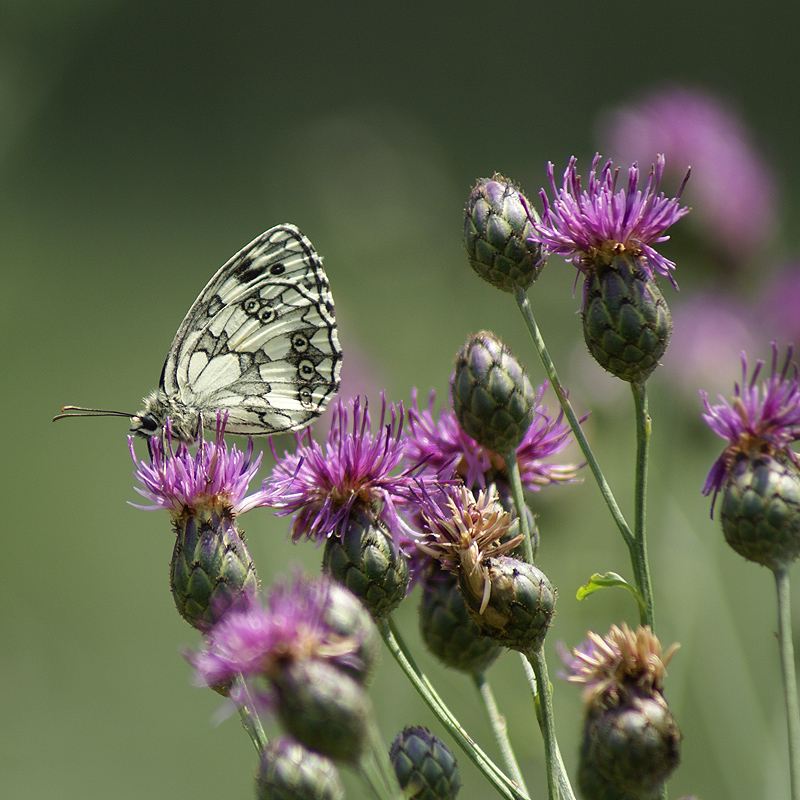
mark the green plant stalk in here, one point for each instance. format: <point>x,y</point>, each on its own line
<point>394,642</point>
<point>499,728</point>
<point>525,308</point>
<point>512,467</point>
<point>250,721</point>
<point>789,678</point>
<point>376,769</point>
<point>641,567</point>
<point>564,786</point>
<point>555,774</point>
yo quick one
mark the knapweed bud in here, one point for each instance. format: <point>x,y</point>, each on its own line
<point>760,509</point>
<point>365,560</point>
<point>323,708</point>
<point>510,600</point>
<point>497,229</point>
<point>211,569</point>
<point>493,399</point>
<point>425,767</point>
<point>626,321</point>
<point>634,746</point>
<point>289,771</point>
<point>447,629</point>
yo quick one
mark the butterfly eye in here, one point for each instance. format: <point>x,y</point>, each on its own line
<point>299,343</point>
<point>277,269</point>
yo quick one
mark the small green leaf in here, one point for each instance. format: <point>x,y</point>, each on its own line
<point>606,580</point>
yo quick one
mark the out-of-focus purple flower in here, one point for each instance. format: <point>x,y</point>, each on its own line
<point>215,477</point>
<point>709,331</point>
<point>290,625</point>
<point>322,485</point>
<point>443,443</point>
<point>597,223</point>
<point>763,417</point>
<point>732,187</point>
<point>777,307</point>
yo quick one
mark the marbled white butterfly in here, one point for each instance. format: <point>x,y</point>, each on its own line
<point>259,344</point>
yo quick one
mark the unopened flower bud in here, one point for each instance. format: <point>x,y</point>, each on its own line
<point>497,230</point>
<point>760,509</point>
<point>626,321</point>
<point>365,560</point>
<point>211,569</point>
<point>289,771</point>
<point>493,399</point>
<point>425,766</point>
<point>447,629</point>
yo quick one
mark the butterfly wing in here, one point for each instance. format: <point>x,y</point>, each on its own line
<point>260,341</point>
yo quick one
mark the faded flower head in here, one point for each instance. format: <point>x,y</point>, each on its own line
<point>323,485</point>
<point>460,530</point>
<point>593,225</point>
<point>293,624</point>
<point>762,418</point>
<point>734,188</point>
<point>440,444</point>
<point>215,478</point>
<point>609,666</point>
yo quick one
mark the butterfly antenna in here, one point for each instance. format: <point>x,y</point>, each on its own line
<point>79,411</point>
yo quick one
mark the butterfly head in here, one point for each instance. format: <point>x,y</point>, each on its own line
<point>184,422</point>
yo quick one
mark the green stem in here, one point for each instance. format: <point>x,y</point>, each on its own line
<point>376,768</point>
<point>512,467</point>
<point>641,567</point>
<point>555,766</point>
<point>394,642</point>
<point>789,678</point>
<point>250,721</point>
<point>572,419</point>
<point>564,786</point>
<point>499,728</point>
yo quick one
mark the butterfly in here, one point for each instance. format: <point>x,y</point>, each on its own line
<point>259,345</point>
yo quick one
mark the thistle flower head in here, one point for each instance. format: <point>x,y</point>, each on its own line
<point>322,485</point>
<point>593,225</point>
<point>440,444</point>
<point>762,418</point>
<point>610,665</point>
<point>291,625</point>
<point>214,478</point>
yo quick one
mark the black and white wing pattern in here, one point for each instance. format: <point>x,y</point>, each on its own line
<point>259,343</point>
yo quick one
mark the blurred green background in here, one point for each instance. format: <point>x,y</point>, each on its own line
<point>143,143</point>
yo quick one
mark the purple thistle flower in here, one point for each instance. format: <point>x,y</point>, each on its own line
<point>763,417</point>
<point>442,445</point>
<point>322,485</point>
<point>258,640</point>
<point>600,222</point>
<point>734,188</point>
<point>214,477</point>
